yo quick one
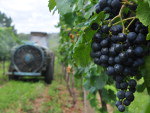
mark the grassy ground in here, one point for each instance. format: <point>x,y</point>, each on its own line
<point>3,77</point>
<point>34,96</point>
<point>15,96</point>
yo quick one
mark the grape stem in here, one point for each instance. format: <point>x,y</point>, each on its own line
<point>120,15</point>
<point>114,19</point>
<point>131,18</point>
<point>130,23</point>
<point>121,19</point>
<point>127,2</point>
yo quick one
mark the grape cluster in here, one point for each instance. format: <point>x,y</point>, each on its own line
<point>109,6</point>
<point>120,53</point>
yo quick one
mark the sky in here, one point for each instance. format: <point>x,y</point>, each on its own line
<point>30,15</point>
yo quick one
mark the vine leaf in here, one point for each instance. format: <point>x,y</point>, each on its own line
<point>82,49</point>
<point>148,2</point>
<point>51,4</point>
<point>63,6</point>
<point>143,12</point>
<point>146,73</point>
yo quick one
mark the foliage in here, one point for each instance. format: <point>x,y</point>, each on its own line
<point>8,40</point>
<point>6,22</point>
<point>8,36</point>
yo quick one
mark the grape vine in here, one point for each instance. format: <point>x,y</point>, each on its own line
<point>115,33</point>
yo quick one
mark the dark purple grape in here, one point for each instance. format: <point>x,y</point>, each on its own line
<point>128,95</point>
<point>96,61</point>
<point>121,94</point>
<point>104,59</point>
<point>107,9</point>
<point>114,38</point>
<point>110,70</point>
<point>129,62</point>
<point>118,60</point>
<point>92,54</point>
<point>105,29</point>
<point>94,26</point>
<point>140,38</point>
<point>111,61</point>
<point>131,36</point>
<point>121,37</point>
<point>127,71</point>
<point>131,98</point>
<point>98,8</point>
<point>118,68</point>
<point>118,47</point>
<point>118,85</point>
<point>118,103</point>
<point>132,90</point>
<point>103,3</point>
<point>115,4</point>
<point>104,51</point>
<point>130,52</point>
<point>139,51</point>
<point>104,43</point>
<point>112,51</point>
<point>115,30</point>
<point>121,108</point>
<point>124,85</point>
<point>126,102</point>
<point>132,83</point>
<point>97,38</point>
<point>123,56</point>
<point>109,2</point>
<point>96,46</point>
<point>119,78</point>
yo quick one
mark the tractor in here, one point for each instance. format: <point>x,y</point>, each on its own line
<point>32,59</point>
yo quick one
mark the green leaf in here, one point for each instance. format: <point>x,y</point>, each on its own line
<point>51,4</point>
<point>147,108</point>
<point>89,12</point>
<point>63,6</point>
<point>100,81</point>
<point>69,19</point>
<point>80,4</point>
<point>148,2</point>
<point>146,73</point>
<point>82,48</point>
<point>143,12</point>
<point>141,87</point>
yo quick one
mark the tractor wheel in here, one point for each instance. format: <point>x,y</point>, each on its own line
<point>12,77</point>
<point>49,75</point>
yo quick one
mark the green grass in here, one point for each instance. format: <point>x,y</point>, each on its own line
<point>54,105</point>
<point>16,95</point>
<point>3,77</point>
